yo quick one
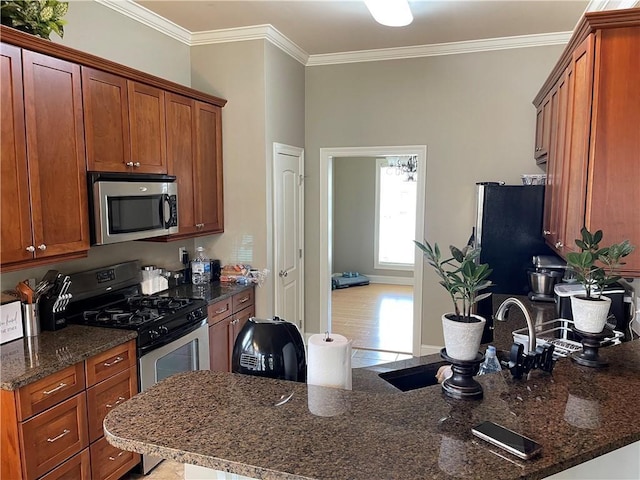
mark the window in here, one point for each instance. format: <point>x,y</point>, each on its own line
<point>395,217</point>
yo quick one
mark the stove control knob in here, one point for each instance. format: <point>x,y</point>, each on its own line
<point>163,329</point>
<point>154,333</point>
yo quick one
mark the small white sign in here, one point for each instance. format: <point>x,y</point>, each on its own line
<point>10,322</point>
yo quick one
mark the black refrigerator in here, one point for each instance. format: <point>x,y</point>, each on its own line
<point>508,232</point>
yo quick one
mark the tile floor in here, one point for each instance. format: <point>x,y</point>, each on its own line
<point>360,358</point>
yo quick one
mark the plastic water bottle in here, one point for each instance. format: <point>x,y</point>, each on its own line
<point>490,363</point>
<point>200,268</point>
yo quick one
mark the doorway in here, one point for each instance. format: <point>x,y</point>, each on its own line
<point>327,156</point>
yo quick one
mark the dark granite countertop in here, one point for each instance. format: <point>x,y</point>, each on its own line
<point>211,292</point>
<point>31,358</point>
<point>229,422</point>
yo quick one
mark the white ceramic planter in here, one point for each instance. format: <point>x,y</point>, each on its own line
<point>462,340</point>
<point>590,315</point>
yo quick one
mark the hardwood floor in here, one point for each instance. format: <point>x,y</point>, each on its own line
<point>375,316</point>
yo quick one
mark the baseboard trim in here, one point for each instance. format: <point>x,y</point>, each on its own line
<point>390,280</point>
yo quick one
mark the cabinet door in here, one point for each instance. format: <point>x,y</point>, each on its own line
<point>544,129</point>
<point>219,352</point>
<point>613,194</point>
<point>147,122</point>
<point>109,462</point>
<point>15,214</point>
<point>106,120</point>
<point>55,149</point>
<point>208,180</point>
<point>239,320</point>
<point>580,81</point>
<point>181,158</point>
<point>77,467</point>
<point>554,207</point>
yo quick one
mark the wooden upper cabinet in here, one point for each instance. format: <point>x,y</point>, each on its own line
<point>106,117</point>
<point>15,213</point>
<point>543,129</point>
<point>125,124</point>
<point>613,194</point>
<point>194,146</point>
<point>43,162</point>
<point>208,182</point>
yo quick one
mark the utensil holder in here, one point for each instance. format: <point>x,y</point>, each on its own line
<point>30,319</point>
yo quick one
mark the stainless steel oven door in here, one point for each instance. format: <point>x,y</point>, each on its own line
<point>188,353</point>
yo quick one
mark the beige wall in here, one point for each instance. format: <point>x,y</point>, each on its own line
<point>265,93</point>
<point>99,30</point>
<point>354,222</point>
<point>474,113</point>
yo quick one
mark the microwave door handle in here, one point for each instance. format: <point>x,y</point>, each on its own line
<point>165,210</point>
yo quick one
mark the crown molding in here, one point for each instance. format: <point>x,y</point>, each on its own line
<point>272,35</point>
<point>600,5</point>
<point>145,16</point>
<point>256,32</point>
<point>452,48</point>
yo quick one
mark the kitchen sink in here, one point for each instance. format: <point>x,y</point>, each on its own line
<point>413,377</point>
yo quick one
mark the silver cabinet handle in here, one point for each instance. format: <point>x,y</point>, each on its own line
<point>117,402</point>
<point>283,273</point>
<point>137,164</point>
<point>222,310</point>
<point>245,299</point>
<point>547,232</point>
<point>129,164</point>
<point>559,244</point>
<point>42,247</point>
<point>59,387</point>
<point>117,360</point>
<point>64,432</point>
<point>117,456</point>
<point>31,249</point>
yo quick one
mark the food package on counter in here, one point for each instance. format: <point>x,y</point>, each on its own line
<point>243,274</point>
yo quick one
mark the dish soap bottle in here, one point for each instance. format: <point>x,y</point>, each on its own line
<point>200,268</point>
<point>490,363</point>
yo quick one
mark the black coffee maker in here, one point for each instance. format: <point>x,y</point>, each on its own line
<point>271,348</point>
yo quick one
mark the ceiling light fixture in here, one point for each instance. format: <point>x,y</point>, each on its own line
<point>392,13</point>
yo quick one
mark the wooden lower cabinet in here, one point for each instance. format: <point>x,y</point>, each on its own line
<point>226,319</point>
<point>51,437</point>
<point>52,428</point>
<point>77,467</point>
<point>109,462</point>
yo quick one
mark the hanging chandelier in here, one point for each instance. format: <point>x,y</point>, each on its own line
<point>407,166</point>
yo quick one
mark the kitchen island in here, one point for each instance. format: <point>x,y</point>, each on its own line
<point>231,423</point>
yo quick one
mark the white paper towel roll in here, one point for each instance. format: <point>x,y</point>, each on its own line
<point>329,362</point>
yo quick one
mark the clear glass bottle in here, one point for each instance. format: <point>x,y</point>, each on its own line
<point>200,268</point>
<point>490,363</point>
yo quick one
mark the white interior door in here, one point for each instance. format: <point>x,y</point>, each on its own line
<point>288,211</point>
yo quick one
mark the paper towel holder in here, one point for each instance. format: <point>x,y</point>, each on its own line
<point>327,338</point>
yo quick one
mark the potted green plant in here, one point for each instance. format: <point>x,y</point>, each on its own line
<point>35,17</point>
<point>595,267</point>
<point>463,278</point>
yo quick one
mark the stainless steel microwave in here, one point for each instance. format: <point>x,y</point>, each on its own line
<point>127,207</point>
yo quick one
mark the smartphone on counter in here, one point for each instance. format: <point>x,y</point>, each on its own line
<point>508,440</point>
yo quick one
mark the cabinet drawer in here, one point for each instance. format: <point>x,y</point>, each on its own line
<point>219,310</point>
<point>77,467</point>
<point>101,398</point>
<point>109,462</point>
<point>115,360</point>
<point>243,300</point>
<point>54,435</point>
<point>38,396</point>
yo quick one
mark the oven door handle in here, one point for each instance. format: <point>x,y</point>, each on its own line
<point>175,335</point>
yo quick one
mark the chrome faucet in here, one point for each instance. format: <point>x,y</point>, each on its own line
<point>501,314</point>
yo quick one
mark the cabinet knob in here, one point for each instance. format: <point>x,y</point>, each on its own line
<point>137,164</point>
<point>31,249</point>
<point>559,244</point>
<point>547,232</point>
<point>42,247</point>
<point>129,164</point>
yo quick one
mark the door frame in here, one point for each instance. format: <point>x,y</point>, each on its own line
<point>326,228</point>
<point>281,148</point>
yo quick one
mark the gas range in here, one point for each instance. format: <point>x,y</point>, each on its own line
<point>111,297</point>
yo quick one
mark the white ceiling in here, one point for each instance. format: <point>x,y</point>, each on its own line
<point>336,31</point>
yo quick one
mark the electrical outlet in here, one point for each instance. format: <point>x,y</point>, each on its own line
<point>181,251</point>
